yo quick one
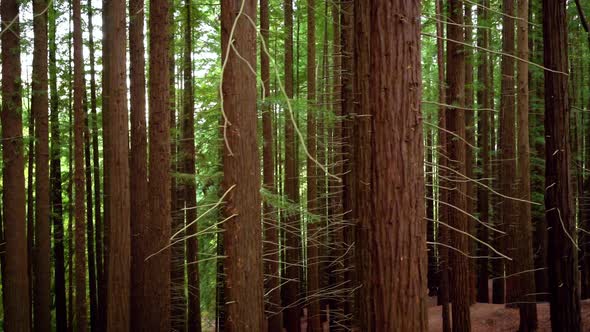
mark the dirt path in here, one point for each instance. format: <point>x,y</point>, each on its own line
<point>498,318</point>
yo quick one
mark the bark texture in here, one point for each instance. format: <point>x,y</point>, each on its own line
<point>460,293</point>
<point>40,110</point>
<point>244,296</point>
<point>562,252</point>
<point>16,291</point>
<point>394,240</point>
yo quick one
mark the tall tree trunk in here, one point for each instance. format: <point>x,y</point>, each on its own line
<point>106,139</point>
<point>333,146</point>
<point>455,123</point>
<point>156,287</point>
<point>16,305</point>
<point>97,323</point>
<point>470,138</point>
<point>56,184</point>
<point>293,271</point>
<point>562,254</point>
<point>92,280</point>
<point>117,225</point>
<point>391,96</point>
<point>190,187</point>
<point>525,282</point>
<point>507,163</point>
<point>241,169</point>
<point>138,180</point>
<point>40,110</point>
<point>347,109</point>
<point>31,207</point>
<point>442,154</point>
<point>313,239</point>
<point>271,226</point>
<point>80,218</point>
<point>178,299</point>
<point>538,162</point>
<point>362,161</point>
<point>484,115</point>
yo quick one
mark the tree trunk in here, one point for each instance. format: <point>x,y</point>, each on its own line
<point>117,225</point>
<point>190,187</point>
<point>16,305</point>
<point>313,236</point>
<point>523,259</point>
<point>455,123</point>
<point>40,110</point>
<point>56,184</point>
<point>293,272</point>
<point>347,110</point>
<point>138,183</point>
<point>92,280</point>
<point>443,214</point>
<point>178,299</point>
<point>507,163</point>
<point>391,96</point>
<point>470,138</point>
<point>484,114</point>
<point>107,149</point>
<point>271,227</point>
<point>156,287</point>
<point>81,320</point>
<point>97,322</point>
<point>562,251</point>
<point>31,208</point>
<point>241,169</point>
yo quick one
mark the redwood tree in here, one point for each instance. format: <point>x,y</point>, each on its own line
<point>523,258</point>
<point>562,252</point>
<point>138,183</point>
<point>241,168</point>
<point>460,293</point>
<point>293,272</point>
<point>40,110</point>
<point>117,225</point>
<point>56,184</point>
<point>16,286</point>
<point>156,233</point>
<point>394,239</point>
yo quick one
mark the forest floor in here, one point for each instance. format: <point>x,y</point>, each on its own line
<point>487,317</point>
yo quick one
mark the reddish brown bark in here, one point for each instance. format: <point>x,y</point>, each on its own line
<point>81,316</point>
<point>314,240</point>
<point>391,96</point>
<point>40,110</point>
<point>56,186</point>
<point>16,291</point>
<point>483,118</point>
<point>106,139</point>
<point>347,108</point>
<point>470,138</point>
<point>507,156</point>
<point>244,309</point>
<point>562,251</point>
<point>156,287</point>
<point>523,258</point>
<point>460,294</point>
<point>117,224</point>
<point>138,183</point>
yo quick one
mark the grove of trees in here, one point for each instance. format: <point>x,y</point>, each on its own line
<point>293,165</point>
